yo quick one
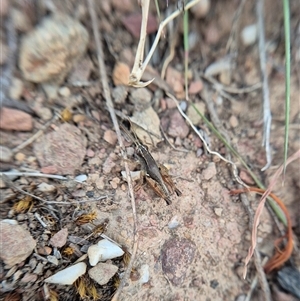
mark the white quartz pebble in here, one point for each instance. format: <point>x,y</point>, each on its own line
<point>249,34</point>
<point>144,273</point>
<point>81,178</point>
<point>103,251</point>
<point>69,275</point>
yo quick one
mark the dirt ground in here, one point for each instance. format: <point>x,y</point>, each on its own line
<point>193,249</point>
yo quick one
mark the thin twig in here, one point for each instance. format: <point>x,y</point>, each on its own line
<point>173,38</point>
<point>31,174</point>
<point>230,46</point>
<point>109,103</point>
<point>255,281</point>
<point>38,217</point>
<point>263,69</point>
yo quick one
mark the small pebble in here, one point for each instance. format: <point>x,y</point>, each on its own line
<point>217,67</point>
<point>121,74</point>
<point>102,251</point>
<point>175,79</point>
<point>20,157</point>
<point>5,154</point>
<point>119,94</point>
<point>59,239</point>
<point>183,106</point>
<point>195,87</point>
<point>233,121</point>
<point>79,118</point>
<point>114,185</point>
<point>33,263</point>
<point>110,137</point>
<point>45,250</point>
<point>44,113</point>
<point>218,211</point>
<point>52,259</point>
<point>193,114</point>
<point>64,92</point>
<point>178,126</point>
<point>81,178</point>
<point>145,274</point>
<point>201,9</point>
<point>90,153</point>
<point>21,217</point>
<point>28,277</point>
<point>210,171</point>
<point>16,88</point>
<point>249,34</point>
<point>135,175</point>
<point>44,187</point>
<point>174,223</point>
<point>141,95</point>
<point>39,269</point>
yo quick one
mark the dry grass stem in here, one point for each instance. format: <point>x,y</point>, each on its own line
<point>265,86</point>
<point>109,103</point>
<point>261,276</point>
<point>137,72</point>
<point>231,45</point>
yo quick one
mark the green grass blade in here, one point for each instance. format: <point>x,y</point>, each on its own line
<point>287,34</point>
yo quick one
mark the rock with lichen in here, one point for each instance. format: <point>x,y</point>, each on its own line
<point>48,52</point>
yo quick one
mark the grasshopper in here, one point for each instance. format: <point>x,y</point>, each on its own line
<point>156,176</point>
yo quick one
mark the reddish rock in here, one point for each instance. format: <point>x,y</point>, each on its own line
<point>195,87</point>
<point>133,23</point>
<point>177,127</point>
<point>110,137</point>
<point>16,243</point>
<point>245,177</point>
<point>121,74</point>
<point>177,255</point>
<point>59,239</point>
<point>11,119</point>
<point>124,6</point>
<point>175,79</point>
<point>44,250</point>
